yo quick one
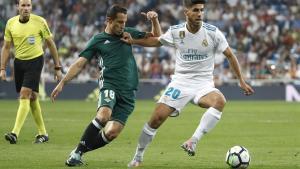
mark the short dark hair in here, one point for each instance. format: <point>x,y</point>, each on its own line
<point>189,3</point>
<point>114,10</point>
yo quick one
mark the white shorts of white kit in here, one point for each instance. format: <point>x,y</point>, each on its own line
<point>178,94</point>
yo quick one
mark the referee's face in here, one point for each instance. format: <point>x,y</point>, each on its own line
<point>25,8</point>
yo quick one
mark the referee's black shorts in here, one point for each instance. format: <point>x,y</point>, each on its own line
<point>28,73</point>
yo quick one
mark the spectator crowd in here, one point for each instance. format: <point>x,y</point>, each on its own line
<point>264,33</point>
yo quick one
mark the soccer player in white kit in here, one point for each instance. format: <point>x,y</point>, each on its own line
<point>196,44</point>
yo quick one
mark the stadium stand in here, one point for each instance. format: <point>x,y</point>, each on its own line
<point>264,33</point>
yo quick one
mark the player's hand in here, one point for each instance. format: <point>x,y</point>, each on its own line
<point>58,75</point>
<point>149,34</point>
<point>56,91</point>
<point>246,88</point>
<point>3,75</point>
<point>126,38</point>
<point>151,15</point>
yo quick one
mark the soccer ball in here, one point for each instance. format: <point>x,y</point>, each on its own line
<point>238,157</point>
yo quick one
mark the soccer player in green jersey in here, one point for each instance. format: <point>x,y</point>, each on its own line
<point>118,81</point>
<point>27,32</point>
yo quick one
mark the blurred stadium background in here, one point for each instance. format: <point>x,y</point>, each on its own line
<point>266,37</point>
<point>264,33</point>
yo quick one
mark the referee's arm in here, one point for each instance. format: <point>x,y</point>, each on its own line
<point>4,58</point>
<point>53,50</point>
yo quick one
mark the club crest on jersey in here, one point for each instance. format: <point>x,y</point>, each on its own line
<point>181,36</point>
<point>204,43</point>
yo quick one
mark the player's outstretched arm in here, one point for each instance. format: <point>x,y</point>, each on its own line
<point>236,68</point>
<point>74,69</point>
<point>4,58</point>
<point>146,42</point>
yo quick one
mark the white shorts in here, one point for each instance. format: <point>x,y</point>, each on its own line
<point>177,95</point>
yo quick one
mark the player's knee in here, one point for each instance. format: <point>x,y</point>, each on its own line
<point>103,115</point>
<point>112,134</point>
<point>103,120</point>
<point>220,102</point>
<point>156,121</point>
<point>160,114</point>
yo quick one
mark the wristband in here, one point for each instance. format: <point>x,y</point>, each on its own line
<point>57,68</point>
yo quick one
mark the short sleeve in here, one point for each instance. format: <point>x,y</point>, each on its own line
<point>221,42</point>
<point>90,51</point>
<point>136,34</point>
<point>7,34</point>
<point>167,38</point>
<point>46,33</point>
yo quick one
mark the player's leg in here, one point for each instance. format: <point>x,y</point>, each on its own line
<point>173,100</point>
<point>160,114</point>
<point>93,137</point>
<point>214,102</point>
<point>100,139</point>
<point>24,101</point>
<point>114,116</point>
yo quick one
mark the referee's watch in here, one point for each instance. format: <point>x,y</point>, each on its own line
<point>57,68</point>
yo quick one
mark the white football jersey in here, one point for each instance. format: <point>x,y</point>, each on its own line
<point>194,52</point>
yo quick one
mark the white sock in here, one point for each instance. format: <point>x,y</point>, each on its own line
<point>146,137</point>
<point>208,121</point>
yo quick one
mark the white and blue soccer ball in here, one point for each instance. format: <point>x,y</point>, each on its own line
<point>238,157</point>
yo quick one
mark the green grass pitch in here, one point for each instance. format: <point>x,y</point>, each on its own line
<point>270,131</point>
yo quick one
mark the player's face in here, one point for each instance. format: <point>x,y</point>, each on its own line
<point>24,8</point>
<point>194,14</point>
<point>118,24</point>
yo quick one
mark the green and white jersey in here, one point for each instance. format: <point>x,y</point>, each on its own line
<point>116,61</point>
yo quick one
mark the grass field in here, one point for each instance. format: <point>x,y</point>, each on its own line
<point>270,131</point>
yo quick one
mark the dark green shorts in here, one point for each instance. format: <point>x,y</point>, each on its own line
<point>121,103</point>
